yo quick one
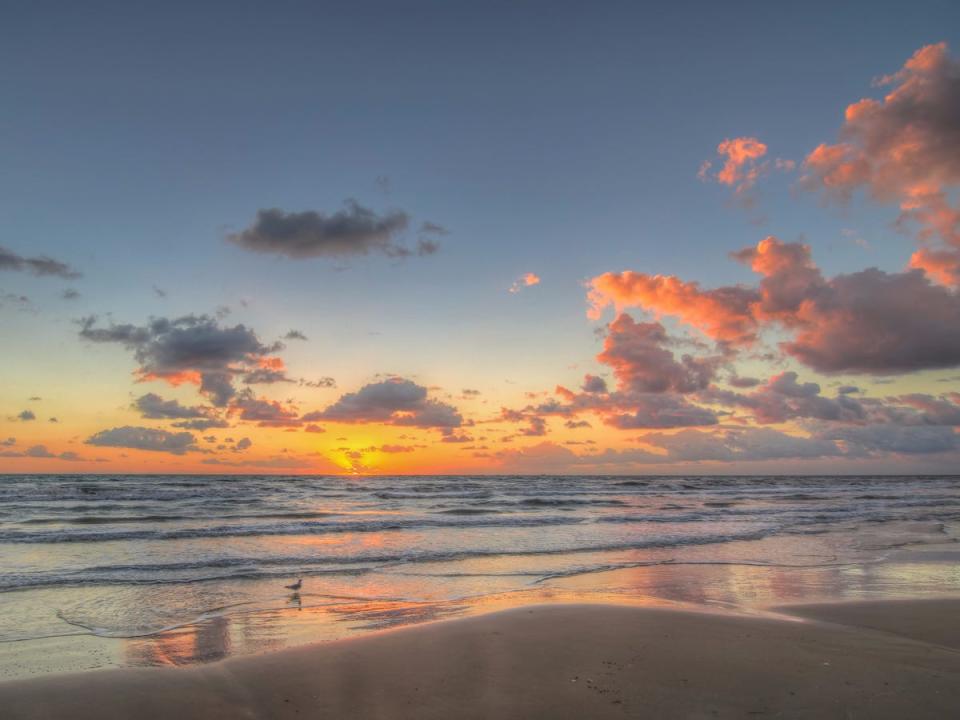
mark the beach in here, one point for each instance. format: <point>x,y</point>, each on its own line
<point>561,661</point>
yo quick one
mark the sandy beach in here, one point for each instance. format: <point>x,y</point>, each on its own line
<point>852,660</point>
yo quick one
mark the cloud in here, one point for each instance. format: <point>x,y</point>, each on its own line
<point>352,231</point>
<point>395,401</point>
<point>269,370</point>
<point>903,148</point>
<point>662,411</point>
<point>641,363</point>
<point>154,407</point>
<point>26,416</point>
<point>324,382</point>
<point>741,166</point>
<point>21,302</point>
<point>278,462</point>
<point>783,398</point>
<point>904,440</point>
<point>686,446</point>
<point>193,348</point>
<point>594,384</point>
<point>143,438</point>
<point>201,424</point>
<point>70,294</point>
<point>524,281</point>
<point>942,266</point>
<point>748,444</point>
<point>868,321</point>
<point>264,412</point>
<point>294,335</point>
<point>723,314</point>
<point>40,452</point>
<point>40,265</point>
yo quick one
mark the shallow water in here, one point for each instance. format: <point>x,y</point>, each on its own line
<point>188,568</point>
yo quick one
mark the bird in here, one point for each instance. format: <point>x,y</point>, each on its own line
<point>296,586</point>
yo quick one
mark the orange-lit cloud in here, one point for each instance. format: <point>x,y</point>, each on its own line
<point>723,314</point>
<point>743,165</point>
<point>868,321</point>
<point>903,149</point>
<point>524,281</point>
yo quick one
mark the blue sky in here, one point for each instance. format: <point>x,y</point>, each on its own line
<point>549,137</point>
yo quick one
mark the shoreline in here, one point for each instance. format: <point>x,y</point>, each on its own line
<point>570,660</point>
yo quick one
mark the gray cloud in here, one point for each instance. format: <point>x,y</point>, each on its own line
<point>39,452</point>
<point>395,401</point>
<point>266,413</point>
<point>154,407</point>
<point>905,440</point>
<point>143,438</point>
<point>354,230</point>
<point>188,348</point>
<point>40,265</point>
<point>662,411</point>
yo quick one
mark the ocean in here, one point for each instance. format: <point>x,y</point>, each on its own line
<point>105,570</point>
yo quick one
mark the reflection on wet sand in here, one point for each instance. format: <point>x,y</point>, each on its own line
<point>314,618</point>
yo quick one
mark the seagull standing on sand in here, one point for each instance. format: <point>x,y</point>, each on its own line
<point>296,586</point>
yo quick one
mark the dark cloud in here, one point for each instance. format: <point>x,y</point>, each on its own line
<point>324,382</point>
<point>395,401</point>
<point>904,440</point>
<point>783,398</point>
<point>40,265</point>
<point>191,348</point>
<point>916,409</point>
<point>354,230</point>
<point>264,412</point>
<point>154,407</point>
<point>70,294</point>
<point>662,411</point>
<point>26,416</point>
<point>40,452</point>
<point>738,445</point>
<point>594,384</point>
<point>294,335</point>
<point>143,438</point>
<point>201,424</point>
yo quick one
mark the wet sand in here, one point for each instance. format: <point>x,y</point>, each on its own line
<point>563,661</point>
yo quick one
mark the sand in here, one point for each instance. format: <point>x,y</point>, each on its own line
<point>566,661</point>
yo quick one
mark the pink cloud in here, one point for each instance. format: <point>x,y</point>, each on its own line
<point>524,281</point>
<point>903,149</point>
<point>869,321</point>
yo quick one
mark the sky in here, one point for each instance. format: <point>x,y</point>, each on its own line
<point>452,237</point>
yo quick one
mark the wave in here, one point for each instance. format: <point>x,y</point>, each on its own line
<point>265,568</point>
<point>120,519</point>
<point>317,528</point>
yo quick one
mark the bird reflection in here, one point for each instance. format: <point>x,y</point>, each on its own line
<point>295,599</point>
